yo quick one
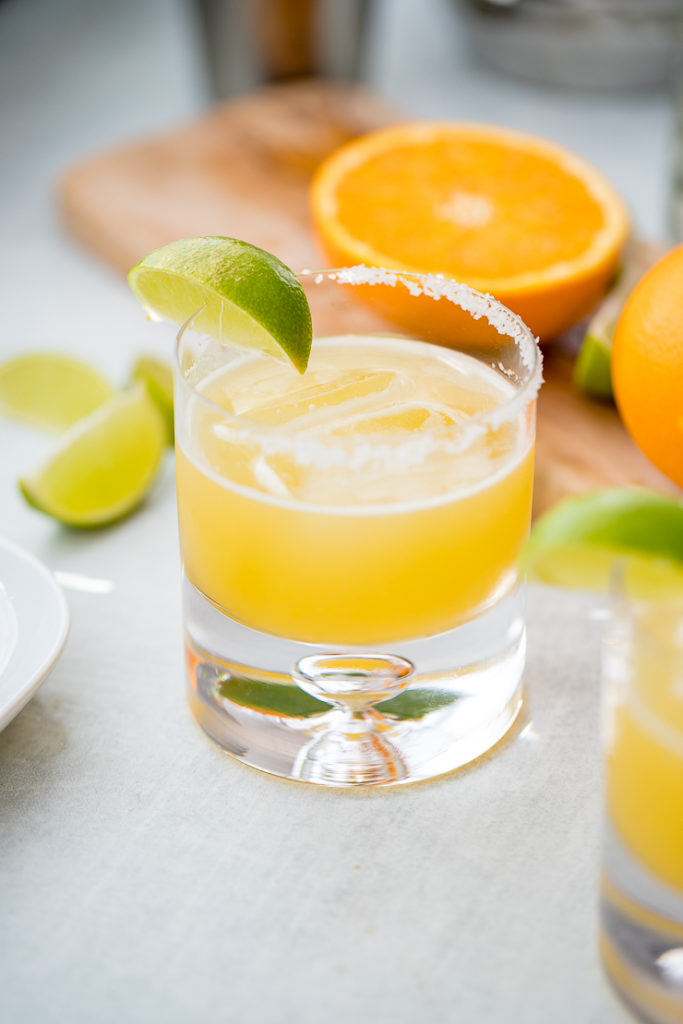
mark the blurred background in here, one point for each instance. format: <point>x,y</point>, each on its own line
<point>79,76</point>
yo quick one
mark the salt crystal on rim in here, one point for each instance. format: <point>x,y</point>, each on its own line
<point>436,286</point>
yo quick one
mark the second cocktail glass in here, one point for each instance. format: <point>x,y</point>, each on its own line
<point>349,536</point>
<point>641,935</point>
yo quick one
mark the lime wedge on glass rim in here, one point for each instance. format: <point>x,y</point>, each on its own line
<point>103,465</point>
<point>242,295</point>
<point>578,543</point>
<point>51,390</point>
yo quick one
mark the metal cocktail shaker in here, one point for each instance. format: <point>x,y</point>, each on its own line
<point>590,44</point>
<point>255,42</point>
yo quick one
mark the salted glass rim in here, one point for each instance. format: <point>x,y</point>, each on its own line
<point>450,439</point>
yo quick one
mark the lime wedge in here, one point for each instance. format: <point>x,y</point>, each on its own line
<point>50,390</point>
<point>577,543</point>
<point>104,464</point>
<point>157,378</point>
<point>242,295</point>
<point>593,366</point>
<point>585,567</point>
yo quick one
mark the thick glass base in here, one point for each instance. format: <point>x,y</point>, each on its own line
<point>355,716</point>
<point>641,937</point>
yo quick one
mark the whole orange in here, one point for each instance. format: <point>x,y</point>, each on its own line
<point>647,365</point>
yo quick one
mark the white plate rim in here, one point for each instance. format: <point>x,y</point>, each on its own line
<point>25,690</point>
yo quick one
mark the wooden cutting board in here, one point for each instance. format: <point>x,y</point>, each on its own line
<point>243,170</point>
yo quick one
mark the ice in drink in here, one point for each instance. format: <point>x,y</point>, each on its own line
<point>374,498</point>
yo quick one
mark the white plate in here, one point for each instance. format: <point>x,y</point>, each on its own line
<point>34,623</point>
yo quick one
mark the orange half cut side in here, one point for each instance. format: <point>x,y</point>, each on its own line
<point>507,213</point>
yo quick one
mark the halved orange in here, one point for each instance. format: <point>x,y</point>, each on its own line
<point>507,213</point>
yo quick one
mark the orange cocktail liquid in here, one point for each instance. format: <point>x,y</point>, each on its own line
<point>351,522</point>
<point>644,770</point>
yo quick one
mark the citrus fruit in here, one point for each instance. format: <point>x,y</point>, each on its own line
<point>240,294</point>
<point>157,377</point>
<point>583,567</point>
<point>647,365</point>
<point>50,390</point>
<point>103,465</point>
<point>507,213</point>
<point>578,542</point>
<point>593,367</point>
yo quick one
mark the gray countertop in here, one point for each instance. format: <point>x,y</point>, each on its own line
<point>144,876</point>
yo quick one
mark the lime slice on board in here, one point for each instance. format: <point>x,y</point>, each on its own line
<point>103,465</point>
<point>593,366</point>
<point>240,294</point>
<point>157,377</point>
<point>50,390</point>
<point>577,543</point>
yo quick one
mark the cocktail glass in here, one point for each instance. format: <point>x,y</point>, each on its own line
<point>641,934</point>
<point>352,610</point>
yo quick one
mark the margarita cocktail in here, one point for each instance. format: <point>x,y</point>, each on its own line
<point>350,535</point>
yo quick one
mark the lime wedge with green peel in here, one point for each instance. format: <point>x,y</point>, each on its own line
<point>593,366</point>
<point>157,377</point>
<point>50,390</point>
<point>104,464</point>
<point>578,543</point>
<point>240,294</point>
<point>585,567</point>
